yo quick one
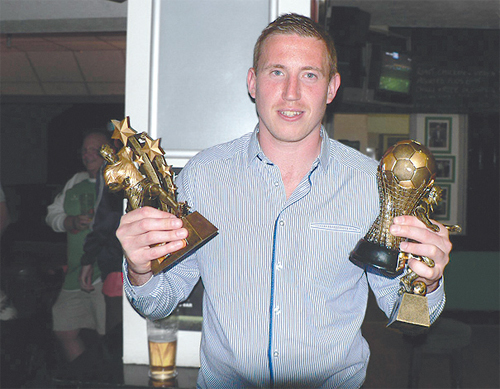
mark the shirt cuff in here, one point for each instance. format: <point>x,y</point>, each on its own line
<point>436,296</point>
<point>141,290</point>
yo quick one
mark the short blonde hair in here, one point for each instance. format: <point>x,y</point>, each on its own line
<point>301,26</point>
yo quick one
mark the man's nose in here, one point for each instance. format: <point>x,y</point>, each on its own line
<point>292,89</point>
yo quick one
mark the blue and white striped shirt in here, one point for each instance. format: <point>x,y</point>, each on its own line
<point>283,305</point>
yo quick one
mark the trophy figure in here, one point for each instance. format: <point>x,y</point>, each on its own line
<point>406,187</point>
<point>140,170</point>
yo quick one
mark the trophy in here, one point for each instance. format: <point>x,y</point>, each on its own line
<point>140,170</point>
<point>406,187</point>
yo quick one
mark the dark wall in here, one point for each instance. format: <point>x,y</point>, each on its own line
<point>65,134</point>
<point>455,70</point>
<point>40,145</point>
<point>483,194</point>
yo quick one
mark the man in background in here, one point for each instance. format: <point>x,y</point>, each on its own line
<point>72,212</point>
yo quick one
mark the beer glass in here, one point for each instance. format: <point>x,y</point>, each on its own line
<point>162,343</point>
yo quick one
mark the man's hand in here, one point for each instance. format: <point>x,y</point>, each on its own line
<point>145,235</point>
<point>85,278</point>
<point>77,223</point>
<point>434,245</point>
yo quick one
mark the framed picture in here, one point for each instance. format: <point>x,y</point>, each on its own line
<point>388,140</point>
<point>438,134</point>
<point>442,210</point>
<point>445,168</point>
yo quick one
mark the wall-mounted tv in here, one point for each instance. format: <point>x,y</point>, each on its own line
<point>391,74</point>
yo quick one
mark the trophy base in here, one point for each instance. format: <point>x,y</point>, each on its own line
<point>410,314</point>
<point>200,232</point>
<point>370,254</point>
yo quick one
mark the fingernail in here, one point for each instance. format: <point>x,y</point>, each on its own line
<point>180,233</point>
<point>397,220</point>
<point>403,246</point>
<point>177,223</point>
<point>395,228</point>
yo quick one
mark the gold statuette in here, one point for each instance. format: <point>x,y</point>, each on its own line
<point>140,170</point>
<point>406,187</point>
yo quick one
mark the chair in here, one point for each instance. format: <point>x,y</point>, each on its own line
<point>445,337</point>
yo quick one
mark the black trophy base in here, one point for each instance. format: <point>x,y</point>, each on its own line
<point>200,231</point>
<point>385,261</point>
<point>410,315</point>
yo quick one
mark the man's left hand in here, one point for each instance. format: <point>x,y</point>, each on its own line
<point>424,242</point>
<point>85,278</point>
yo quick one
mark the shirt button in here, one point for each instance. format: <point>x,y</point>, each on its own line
<point>281,223</point>
<point>279,266</point>
<point>276,354</point>
<point>277,310</point>
<point>276,183</point>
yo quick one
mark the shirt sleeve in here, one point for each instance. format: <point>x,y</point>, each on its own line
<point>161,294</point>
<point>55,211</point>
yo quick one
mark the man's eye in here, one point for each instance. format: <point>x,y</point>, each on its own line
<point>276,72</point>
<point>311,75</point>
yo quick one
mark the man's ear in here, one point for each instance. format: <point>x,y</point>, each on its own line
<point>333,87</point>
<point>251,82</point>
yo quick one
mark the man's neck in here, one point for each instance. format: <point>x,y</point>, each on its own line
<point>294,159</point>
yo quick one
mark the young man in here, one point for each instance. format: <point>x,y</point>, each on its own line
<point>283,304</point>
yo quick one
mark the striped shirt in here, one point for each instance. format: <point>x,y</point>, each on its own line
<point>283,305</point>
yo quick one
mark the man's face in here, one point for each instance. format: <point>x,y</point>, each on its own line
<point>291,87</point>
<point>91,157</point>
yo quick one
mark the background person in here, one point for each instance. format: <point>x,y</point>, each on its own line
<point>75,308</point>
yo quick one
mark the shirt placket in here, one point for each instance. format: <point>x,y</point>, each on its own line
<point>282,255</point>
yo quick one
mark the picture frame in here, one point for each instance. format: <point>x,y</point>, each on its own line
<point>388,140</point>
<point>442,210</point>
<point>438,134</point>
<point>445,168</point>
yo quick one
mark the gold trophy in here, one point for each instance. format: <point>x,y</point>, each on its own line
<point>140,170</point>
<point>406,187</point>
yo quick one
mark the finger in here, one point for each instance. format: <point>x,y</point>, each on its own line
<point>429,276</point>
<point>143,213</point>
<point>150,232</point>
<point>142,249</point>
<point>160,250</point>
<point>414,229</point>
<point>144,220</point>
<point>407,220</point>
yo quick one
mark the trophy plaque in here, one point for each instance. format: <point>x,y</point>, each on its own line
<point>406,187</point>
<point>140,170</point>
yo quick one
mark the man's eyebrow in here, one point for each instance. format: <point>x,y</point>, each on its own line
<point>279,66</point>
<point>319,70</point>
<point>273,66</point>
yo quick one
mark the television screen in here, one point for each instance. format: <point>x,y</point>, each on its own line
<point>395,72</point>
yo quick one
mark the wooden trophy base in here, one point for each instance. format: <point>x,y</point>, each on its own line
<point>200,232</point>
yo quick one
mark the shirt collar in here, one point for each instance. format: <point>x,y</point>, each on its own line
<point>255,151</point>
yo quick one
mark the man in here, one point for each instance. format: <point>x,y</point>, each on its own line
<point>77,308</point>
<point>283,304</point>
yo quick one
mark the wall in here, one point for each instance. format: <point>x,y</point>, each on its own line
<point>472,281</point>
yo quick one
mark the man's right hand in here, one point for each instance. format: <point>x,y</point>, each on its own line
<point>145,235</point>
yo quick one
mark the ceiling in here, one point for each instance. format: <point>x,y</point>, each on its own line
<point>428,13</point>
<point>63,64</point>
<point>90,64</point>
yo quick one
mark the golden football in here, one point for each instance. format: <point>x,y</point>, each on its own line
<point>409,163</point>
